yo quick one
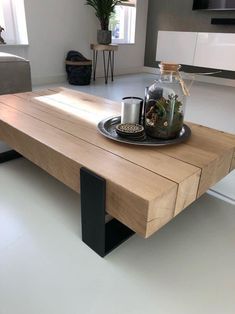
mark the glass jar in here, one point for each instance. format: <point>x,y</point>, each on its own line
<point>165,104</point>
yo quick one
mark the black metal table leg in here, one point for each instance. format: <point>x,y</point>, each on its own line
<point>112,65</point>
<point>95,55</point>
<point>99,236</point>
<point>9,155</point>
<point>109,64</point>
<point>105,68</point>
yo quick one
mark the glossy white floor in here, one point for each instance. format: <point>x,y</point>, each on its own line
<point>186,268</point>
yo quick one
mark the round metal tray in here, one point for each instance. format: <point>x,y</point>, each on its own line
<point>107,127</point>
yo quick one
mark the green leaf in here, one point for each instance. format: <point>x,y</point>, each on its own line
<point>104,9</point>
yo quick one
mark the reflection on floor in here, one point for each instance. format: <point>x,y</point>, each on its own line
<point>185,268</point>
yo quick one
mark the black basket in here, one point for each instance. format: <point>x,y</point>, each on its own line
<point>78,68</point>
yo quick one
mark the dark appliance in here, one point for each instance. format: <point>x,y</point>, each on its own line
<point>216,5</point>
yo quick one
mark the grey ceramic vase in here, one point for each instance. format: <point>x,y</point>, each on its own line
<point>104,37</point>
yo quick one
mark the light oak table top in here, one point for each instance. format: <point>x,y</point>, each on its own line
<point>146,186</point>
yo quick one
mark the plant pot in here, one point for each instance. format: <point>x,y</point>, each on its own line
<point>104,37</point>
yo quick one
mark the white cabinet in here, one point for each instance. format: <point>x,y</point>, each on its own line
<point>209,50</point>
<point>215,50</point>
<point>176,47</point>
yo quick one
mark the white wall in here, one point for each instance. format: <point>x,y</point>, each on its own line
<point>130,58</point>
<point>55,27</point>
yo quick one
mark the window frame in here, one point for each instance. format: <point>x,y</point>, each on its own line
<point>129,23</point>
<point>14,22</point>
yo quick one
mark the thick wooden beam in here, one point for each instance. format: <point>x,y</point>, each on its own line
<point>146,187</point>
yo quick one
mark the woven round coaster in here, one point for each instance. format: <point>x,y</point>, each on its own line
<point>131,130</point>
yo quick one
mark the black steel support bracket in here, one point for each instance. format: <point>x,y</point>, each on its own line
<point>99,236</point>
<point>9,155</point>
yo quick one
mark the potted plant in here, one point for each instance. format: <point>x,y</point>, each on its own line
<point>103,10</point>
<point>2,41</point>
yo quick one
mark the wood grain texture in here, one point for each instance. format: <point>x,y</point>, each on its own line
<point>204,151</point>
<point>99,47</point>
<point>210,150</point>
<point>215,142</point>
<point>187,192</point>
<point>146,187</point>
<point>148,158</point>
<point>62,155</point>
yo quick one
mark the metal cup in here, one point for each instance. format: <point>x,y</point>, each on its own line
<point>132,108</point>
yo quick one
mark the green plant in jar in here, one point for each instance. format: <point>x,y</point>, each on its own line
<point>167,122</point>
<point>164,105</point>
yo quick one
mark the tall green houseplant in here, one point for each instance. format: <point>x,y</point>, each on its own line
<point>103,11</point>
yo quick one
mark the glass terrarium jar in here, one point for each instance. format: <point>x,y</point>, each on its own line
<point>165,103</point>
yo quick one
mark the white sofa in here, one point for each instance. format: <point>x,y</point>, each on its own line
<point>15,77</point>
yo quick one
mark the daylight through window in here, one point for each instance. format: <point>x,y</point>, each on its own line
<point>12,19</point>
<point>123,23</point>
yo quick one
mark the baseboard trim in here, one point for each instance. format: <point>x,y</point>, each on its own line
<point>198,78</point>
<point>150,70</point>
<point>122,71</point>
<point>43,80</point>
<point>221,196</point>
<point>37,81</point>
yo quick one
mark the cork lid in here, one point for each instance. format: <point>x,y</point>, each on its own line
<point>169,67</point>
<point>173,69</point>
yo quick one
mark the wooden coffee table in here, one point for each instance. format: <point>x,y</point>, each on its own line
<point>143,188</point>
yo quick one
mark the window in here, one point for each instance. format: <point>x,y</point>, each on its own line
<point>12,19</point>
<point>122,23</point>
